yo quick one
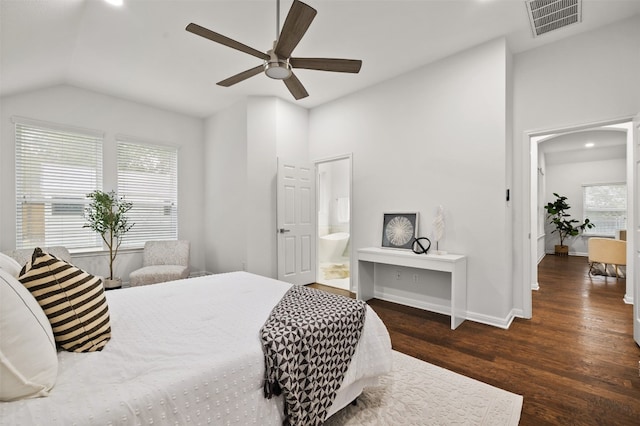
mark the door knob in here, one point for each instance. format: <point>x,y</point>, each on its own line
<point>282,230</point>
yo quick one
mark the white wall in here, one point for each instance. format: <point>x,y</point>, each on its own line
<point>262,153</point>
<point>241,149</point>
<point>588,78</point>
<point>334,184</point>
<point>292,131</point>
<point>82,108</point>
<point>340,191</point>
<point>225,182</point>
<point>323,206</point>
<point>433,136</point>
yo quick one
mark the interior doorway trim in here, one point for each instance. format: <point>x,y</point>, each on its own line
<point>316,163</point>
<point>530,226</point>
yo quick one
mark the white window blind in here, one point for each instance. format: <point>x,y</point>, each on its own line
<point>606,206</point>
<point>148,178</point>
<point>56,167</point>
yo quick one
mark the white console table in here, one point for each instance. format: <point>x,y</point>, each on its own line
<point>453,263</point>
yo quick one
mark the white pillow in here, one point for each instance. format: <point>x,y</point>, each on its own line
<point>10,265</point>
<point>28,356</point>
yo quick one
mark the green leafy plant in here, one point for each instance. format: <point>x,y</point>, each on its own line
<point>106,215</point>
<point>558,217</point>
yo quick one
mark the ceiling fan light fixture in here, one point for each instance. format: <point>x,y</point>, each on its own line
<point>278,70</point>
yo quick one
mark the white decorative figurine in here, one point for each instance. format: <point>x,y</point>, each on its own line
<point>438,229</point>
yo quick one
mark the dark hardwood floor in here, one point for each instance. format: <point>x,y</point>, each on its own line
<point>575,362</point>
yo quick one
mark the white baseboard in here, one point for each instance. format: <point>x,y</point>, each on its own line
<point>503,323</point>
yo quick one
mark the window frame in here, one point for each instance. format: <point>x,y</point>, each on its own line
<point>136,237</point>
<point>45,180</point>
<point>599,230</point>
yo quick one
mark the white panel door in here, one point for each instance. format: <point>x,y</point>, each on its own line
<point>296,222</point>
<point>636,230</point>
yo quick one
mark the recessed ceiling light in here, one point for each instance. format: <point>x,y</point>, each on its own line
<point>589,145</point>
<point>115,2</point>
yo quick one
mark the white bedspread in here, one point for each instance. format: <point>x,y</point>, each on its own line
<point>185,353</point>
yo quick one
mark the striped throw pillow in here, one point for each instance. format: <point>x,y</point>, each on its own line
<point>72,299</point>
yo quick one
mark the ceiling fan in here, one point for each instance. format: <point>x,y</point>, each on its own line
<point>278,62</point>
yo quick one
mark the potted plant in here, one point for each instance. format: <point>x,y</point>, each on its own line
<point>564,226</point>
<point>106,215</point>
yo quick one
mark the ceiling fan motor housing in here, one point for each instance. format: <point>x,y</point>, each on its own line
<point>276,68</point>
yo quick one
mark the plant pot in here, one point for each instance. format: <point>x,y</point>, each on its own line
<point>561,250</point>
<point>112,283</point>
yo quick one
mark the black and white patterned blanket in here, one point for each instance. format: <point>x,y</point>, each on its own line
<point>308,341</point>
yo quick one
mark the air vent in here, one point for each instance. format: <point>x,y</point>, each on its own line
<point>550,15</point>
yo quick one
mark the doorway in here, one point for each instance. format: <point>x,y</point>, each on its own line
<point>589,168</point>
<point>333,201</point>
<point>537,214</point>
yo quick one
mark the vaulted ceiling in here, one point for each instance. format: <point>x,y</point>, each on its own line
<point>141,51</point>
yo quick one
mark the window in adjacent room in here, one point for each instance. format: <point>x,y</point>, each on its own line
<point>56,167</point>
<point>606,206</point>
<point>148,178</point>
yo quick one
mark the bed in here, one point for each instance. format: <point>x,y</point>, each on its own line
<point>185,352</point>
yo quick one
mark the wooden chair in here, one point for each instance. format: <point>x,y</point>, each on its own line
<point>607,251</point>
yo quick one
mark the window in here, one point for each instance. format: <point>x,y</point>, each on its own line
<point>56,166</point>
<point>148,178</point>
<point>606,206</point>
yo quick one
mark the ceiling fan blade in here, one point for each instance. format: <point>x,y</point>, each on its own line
<point>241,76</point>
<point>219,38</point>
<point>295,25</point>
<point>327,64</point>
<point>295,87</point>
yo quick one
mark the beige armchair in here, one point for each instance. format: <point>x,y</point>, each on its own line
<point>22,256</point>
<point>608,252</point>
<point>162,261</point>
